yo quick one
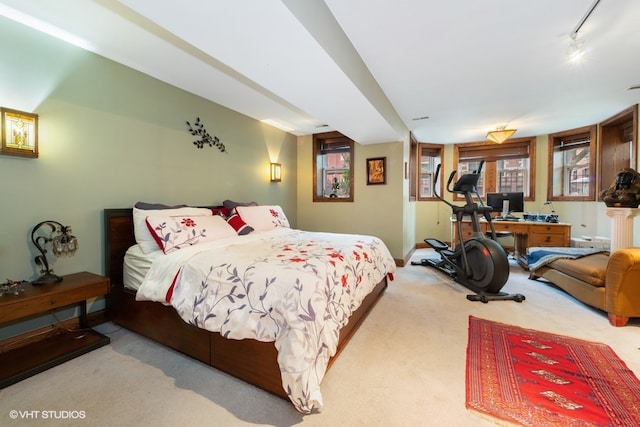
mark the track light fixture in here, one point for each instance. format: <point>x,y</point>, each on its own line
<point>577,45</point>
<point>576,49</point>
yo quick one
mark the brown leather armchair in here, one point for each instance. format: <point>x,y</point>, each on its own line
<point>608,282</point>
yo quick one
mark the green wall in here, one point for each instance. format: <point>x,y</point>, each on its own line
<point>110,136</point>
<point>377,209</point>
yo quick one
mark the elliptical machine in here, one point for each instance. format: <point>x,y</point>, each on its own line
<point>479,263</point>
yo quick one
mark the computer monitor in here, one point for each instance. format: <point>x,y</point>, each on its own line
<point>506,202</point>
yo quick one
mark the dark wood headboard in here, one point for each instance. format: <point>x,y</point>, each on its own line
<point>118,237</point>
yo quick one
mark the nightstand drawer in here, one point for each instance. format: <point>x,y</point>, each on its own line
<point>54,299</point>
<point>73,289</point>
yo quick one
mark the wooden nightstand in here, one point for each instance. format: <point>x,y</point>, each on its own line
<point>23,362</point>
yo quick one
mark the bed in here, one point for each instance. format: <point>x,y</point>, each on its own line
<point>168,314</point>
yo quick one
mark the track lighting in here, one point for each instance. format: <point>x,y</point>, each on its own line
<point>577,45</point>
<point>576,49</point>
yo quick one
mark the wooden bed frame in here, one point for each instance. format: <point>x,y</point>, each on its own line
<point>250,360</point>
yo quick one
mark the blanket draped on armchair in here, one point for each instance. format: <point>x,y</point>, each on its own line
<point>540,256</point>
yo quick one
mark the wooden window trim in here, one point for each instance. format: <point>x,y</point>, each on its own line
<point>608,137</point>
<point>553,139</point>
<point>413,166</point>
<point>319,140</point>
<point>438,149</point>
<point>488,151</point>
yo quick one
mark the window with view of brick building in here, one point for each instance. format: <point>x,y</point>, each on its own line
<point>332,167</point>
<point>508,167</point>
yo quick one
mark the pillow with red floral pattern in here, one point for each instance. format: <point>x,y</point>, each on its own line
<point>176,232</point>
<point>263,218</point>
<point>141,211</point>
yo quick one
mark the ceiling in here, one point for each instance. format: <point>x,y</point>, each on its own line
<point>372,69</point>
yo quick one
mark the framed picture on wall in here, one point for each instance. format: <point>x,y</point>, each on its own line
<point>19,133</point>
<point>377,171</point>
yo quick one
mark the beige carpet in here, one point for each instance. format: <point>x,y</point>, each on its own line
<point>404,367</point>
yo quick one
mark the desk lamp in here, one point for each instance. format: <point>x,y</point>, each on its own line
<point>63,244</point>
<point>553,216</point>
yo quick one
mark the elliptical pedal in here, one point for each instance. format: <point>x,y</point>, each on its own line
<point>447,252</point>
<point>436,244</point>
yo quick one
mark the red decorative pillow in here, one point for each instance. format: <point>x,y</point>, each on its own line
<point>238,223</point>
<point>222,211</point>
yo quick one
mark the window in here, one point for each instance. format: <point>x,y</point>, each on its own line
<point>572,164</point>
<point>512,175</point>
<point>429,157</point>
<point>469,167</point>
<point>412,166</point>
<point>508,167</point>
<point>332,167</point>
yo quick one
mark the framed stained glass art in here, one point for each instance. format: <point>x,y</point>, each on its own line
<point>19,133</point>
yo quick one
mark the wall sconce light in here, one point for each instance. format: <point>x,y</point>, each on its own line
<point>500,135</point>
<point>276,172</point>
<point>63,244</point>
<point>19,133</point>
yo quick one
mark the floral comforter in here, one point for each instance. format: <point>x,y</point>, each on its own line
<point>292,287</point>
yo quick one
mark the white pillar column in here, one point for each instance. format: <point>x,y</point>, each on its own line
<point>622,226</point>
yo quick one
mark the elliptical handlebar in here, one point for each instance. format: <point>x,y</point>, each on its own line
<point>460,183</point>
<point>435,185</point>
<point>451,175</point>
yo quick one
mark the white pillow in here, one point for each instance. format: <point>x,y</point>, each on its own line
<point>263,218</point>
<point>141,232</point>
<point>176,232</point>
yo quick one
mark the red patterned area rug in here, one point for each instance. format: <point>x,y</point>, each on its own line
<point>532,378</point>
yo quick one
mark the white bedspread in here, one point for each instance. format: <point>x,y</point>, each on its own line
<point>292,287</point>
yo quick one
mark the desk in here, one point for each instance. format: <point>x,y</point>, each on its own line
<point>526,234</point>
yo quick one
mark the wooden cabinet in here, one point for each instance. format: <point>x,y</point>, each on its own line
<point>617,146</point>
<point>526,234</point>
<point>511,227</point>
<point>548,235</point>
<point>467,231</point>
<point>23,362</point>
